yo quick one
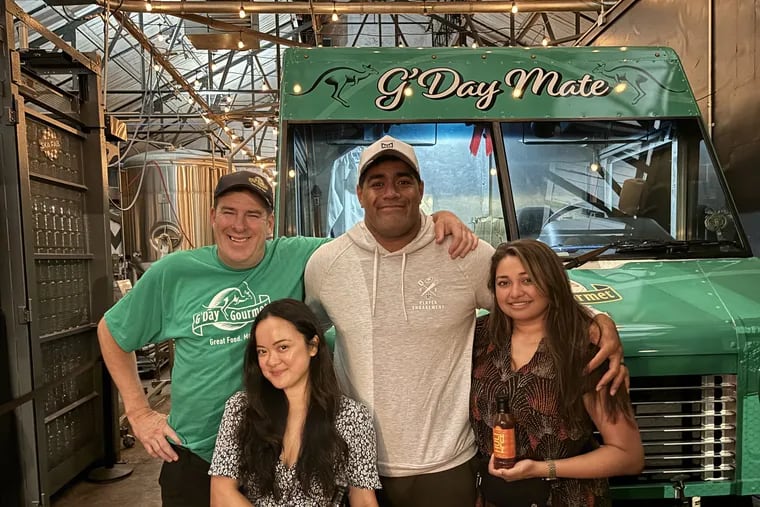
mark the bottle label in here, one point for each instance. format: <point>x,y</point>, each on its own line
<point>504,443</point>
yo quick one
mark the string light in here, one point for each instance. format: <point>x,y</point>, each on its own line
<point>595,165</point>
<point>242,11</point>
<point>148,6</point>
<point>241,44</point>
<point>334,16</point>
<point>545,41</point>
<point>514,9</point>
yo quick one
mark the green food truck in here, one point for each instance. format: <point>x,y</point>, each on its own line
<point>601,153</point>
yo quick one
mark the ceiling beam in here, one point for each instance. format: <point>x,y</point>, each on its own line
<point>229,27</point>
<point>328,8</point>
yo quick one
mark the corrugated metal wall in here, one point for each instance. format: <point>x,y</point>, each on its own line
<point>731,71</point>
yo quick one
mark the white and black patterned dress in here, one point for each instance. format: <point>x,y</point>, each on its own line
<point>353,423</point>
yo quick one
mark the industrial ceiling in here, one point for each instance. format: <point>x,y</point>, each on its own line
<point>205,74</point>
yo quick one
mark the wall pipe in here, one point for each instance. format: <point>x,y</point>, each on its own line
<point>710,56</point>
<point>300,7</point>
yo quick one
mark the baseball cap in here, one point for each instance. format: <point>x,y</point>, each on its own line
<point>388,146</point>
<point>246,180</point>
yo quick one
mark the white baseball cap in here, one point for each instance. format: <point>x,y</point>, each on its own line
<point>388,146</point>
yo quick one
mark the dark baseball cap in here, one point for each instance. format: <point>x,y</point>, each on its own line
<point>246,180</point>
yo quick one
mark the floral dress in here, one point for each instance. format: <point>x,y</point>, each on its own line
<point>533,397</point>
<point>353,423</point>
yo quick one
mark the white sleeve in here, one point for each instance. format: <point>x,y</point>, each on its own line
<point>313,285</point>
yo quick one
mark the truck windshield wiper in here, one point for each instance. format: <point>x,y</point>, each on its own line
<point>673,246</point>
<point>648,245</point>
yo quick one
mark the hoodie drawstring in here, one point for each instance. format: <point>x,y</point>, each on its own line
<point>375,269</point>
<point>403,299</point>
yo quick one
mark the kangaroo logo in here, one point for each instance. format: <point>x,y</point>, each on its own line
<point>231,298</point>
<point>339,78</point>
<point>230,309</point>
<point>632,75</point>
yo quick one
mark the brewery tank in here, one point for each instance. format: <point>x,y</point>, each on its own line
<point>171,210</point>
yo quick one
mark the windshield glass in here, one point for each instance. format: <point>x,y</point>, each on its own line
<point>457,167</point>
<point>579,185</point>
<point>575,185</point>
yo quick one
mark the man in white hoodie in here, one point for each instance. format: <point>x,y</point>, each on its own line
<point>404,314</point>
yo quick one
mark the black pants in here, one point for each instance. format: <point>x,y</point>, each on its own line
<point>450,488</point>
<point>185,483</point>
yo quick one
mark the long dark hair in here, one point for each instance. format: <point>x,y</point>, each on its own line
<point>323,450</point>
<point>567,328</point>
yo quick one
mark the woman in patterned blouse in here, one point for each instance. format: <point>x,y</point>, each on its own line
<point>533,348</point>
<point>291,438</point>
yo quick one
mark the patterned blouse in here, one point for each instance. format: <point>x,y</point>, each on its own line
<point>533,401</point>
<point>353,423</point>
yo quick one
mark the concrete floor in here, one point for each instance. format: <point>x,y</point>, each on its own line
<point>138,489</point>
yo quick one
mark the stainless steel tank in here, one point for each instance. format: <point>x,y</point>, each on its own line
<point>171,210</point>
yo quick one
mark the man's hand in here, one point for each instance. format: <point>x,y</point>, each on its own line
<point>463,240</point>
<point>152,429</point>
<point>605,335</point>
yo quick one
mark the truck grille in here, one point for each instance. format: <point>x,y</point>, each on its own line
<point>688,427</point>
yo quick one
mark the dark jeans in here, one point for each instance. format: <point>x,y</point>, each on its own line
<point>450,488</point>
<point>185,483</point>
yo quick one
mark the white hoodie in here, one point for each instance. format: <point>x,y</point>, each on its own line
<point>404,325</point>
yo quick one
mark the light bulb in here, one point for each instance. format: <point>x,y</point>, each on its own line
<point>156,66</point>
<point>335,16</point>
<point>242,12</point>
<point>514,9</point>
<point>545,41</point>
<point>241,44</point>
<point>264,86</point>
<point>148,6</point>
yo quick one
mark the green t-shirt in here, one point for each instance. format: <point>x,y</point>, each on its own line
<point>207,308</point>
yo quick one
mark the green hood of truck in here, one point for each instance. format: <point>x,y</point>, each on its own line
<point>676,308</point>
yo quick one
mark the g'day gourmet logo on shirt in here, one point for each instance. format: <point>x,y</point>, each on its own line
<point>230,309</point>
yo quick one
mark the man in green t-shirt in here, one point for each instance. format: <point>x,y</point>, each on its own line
<point>205,299</point>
